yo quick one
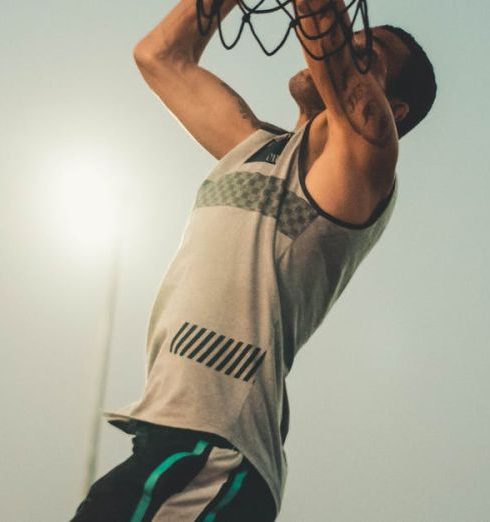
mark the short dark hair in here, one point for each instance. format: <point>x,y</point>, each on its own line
<point>415,84</point>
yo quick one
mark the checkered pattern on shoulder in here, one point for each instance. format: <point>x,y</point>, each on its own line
<point>260,193</point>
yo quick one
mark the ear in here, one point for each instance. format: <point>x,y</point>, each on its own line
<point>400,109</point>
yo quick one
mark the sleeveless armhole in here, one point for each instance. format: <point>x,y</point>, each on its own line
<point>377,212</point>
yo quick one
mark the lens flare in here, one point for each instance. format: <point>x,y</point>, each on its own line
<point>87,201</point>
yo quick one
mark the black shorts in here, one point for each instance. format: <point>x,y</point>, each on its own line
<point>179,475</point>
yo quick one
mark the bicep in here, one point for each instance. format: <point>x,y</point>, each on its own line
<point>211,111</point>
<point>356,103</point>
<point>345,186</point>
<point>353,166</point>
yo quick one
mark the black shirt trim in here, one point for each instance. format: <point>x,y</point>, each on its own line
<point>273,129</point>
<point>378,211</point>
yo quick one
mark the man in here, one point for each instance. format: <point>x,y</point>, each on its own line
<point>277,230</point>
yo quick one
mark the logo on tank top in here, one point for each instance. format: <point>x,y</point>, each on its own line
<point>270,151</point>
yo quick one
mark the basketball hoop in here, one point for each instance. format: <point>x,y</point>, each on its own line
<point>357,9</point>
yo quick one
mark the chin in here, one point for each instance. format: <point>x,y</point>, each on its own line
<point>298,87</point>
<point>305,93</point>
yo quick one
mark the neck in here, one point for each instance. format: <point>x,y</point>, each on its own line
<point>320,115</point>
<point>304,116</point>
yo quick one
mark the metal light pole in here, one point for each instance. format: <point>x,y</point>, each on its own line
<point>103,371</point>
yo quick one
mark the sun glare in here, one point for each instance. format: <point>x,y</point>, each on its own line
<point>87,202</point>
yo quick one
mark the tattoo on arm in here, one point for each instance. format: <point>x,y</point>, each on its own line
<point>366,116</point>
<point>368,112</point>
<point>353,97</point>
<point>245,110</point>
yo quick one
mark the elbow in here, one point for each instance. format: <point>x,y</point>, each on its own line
<point>146,54</point>
<point>143,54</point>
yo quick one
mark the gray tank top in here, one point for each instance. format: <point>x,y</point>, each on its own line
<point>258,268</point>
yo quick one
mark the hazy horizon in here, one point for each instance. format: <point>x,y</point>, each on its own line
<point>389,413</point>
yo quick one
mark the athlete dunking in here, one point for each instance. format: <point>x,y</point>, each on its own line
<point>276,232</point>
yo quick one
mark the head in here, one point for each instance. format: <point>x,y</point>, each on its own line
<point>401,67</point>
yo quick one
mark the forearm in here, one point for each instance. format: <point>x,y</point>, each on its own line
<point>355,102</point>
<point>330,19</point>
<point>177,36</point>
<point>325,73</point>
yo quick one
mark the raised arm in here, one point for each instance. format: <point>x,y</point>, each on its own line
<point>177,36</point>
<point>359,114</point>
<point>212,112</point>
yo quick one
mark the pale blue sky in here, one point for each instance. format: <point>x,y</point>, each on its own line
<point>389,400</point>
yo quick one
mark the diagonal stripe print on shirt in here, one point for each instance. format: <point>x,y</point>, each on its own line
<point>223,354</point>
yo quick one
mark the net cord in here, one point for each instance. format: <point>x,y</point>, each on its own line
<point>360,9</point>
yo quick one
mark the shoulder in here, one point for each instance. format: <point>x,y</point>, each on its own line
<point>271,128</point>
<point>343,182</point>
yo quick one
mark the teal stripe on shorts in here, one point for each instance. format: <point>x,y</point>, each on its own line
<point>152,480</point>
<point>230,495</point>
